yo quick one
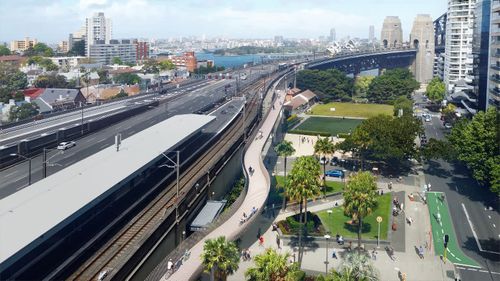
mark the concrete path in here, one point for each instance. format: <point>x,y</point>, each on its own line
<point>258,189</point>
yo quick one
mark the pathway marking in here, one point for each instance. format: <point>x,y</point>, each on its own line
<point>474,233</point>
<point>489,217</point>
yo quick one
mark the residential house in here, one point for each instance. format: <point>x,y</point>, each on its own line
<point>53,99</point>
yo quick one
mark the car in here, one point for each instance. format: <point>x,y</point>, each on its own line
<point>334,161</point>
<point>447,125</point>
<point>102,275</point>
<point>323,160</point>
<point>65,145</point>
<point>335,173</point>
<point>428,118</point>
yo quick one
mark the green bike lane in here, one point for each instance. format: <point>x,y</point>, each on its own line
<point>441,225</point>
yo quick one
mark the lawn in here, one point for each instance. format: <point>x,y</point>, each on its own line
<point>331,186</point>
<point>327,126</point>
<point>362,110</point>
<point>337,222</point>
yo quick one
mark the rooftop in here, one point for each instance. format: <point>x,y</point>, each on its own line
<point>51,203</point>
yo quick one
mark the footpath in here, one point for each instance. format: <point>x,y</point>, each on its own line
<point>429,267</point>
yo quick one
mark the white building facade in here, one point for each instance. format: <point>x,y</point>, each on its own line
<point>98,29</point>
<point>458,61</point>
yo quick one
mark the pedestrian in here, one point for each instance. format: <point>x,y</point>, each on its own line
<point>334,254</point>
<point>421,252</point>
<point>249,257</point>
<point>261,241</point>
<point>170,265</point>
<point>278,241</point>
<point>374,254</point>
<point>350,246</point>
<point>429,186</point>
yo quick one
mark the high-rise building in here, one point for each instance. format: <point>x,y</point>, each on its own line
<point>480,53</point>
<point>104,53</point>
<point>333,35</point>
<point>22,45</point>
<point>494,56</point>
<point>77,36</point>
<point>458,50</point>
<point>98,30</point>
<point>63,46</point>
<point>391,35</point>
<point>371,33</point>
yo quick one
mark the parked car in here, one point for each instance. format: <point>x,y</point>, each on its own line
<point>102,275</point>
<point>65,145</point>
<point>447,125</point>
<point>323,160</point>
<point>335,173</point>
<point>334,161</point>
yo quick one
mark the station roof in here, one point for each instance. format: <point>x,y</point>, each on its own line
<point>29,213</point>
<point>207,215</point>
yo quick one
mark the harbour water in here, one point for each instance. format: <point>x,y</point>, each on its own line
<point>231,61</point>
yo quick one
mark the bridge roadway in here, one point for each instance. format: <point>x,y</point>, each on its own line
<point>15,177</point>
<point>258,189</point>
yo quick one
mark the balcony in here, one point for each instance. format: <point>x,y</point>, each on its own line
<point>495,78</point>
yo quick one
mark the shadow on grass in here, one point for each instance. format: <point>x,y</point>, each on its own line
<point>354,227</point>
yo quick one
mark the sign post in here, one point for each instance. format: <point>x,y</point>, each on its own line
<point>379,220</point>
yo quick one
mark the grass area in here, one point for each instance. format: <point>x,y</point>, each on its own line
<point>331,186</point>
<point>337,222</point>
<point>328,126</point>
<point>363,110</point>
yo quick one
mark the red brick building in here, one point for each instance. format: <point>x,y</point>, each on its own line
<point>141,50</point>
<point>188,60</point>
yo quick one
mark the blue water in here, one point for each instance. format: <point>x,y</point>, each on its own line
<point>230,61</point>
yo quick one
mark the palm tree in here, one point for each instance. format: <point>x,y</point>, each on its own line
<point>304,184</point>
<point>284,149</point>
<point>356,268</point>
<point>271,265</point>
<point>360,198</point>
<point>324,146</point>
<point>220,258</point>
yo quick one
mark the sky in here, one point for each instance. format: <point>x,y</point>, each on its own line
<point>51,21</point>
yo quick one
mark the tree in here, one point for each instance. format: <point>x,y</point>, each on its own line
<point>43,62</point>
<point>11,77</point>
<point>78,48</point>
<point>4,51</point>
<point>385,138</point>
<point>475,143</point>
<point>284,149</point>
<point>329,85</point>
<point>435,90</point>
<point>103,76</point>
<point>304,183</point>
<point>127,78</point>
<point>117,60</point>
<point>23,111</point>
<point>51,81</point>
<point>362,84</point>
<point>449,112</point>
<point>166,65</point>
<point>404,104</point>
<point>39,49</point>
<point>392,84</point>
<point>151,66</point>
<point>271,265</point>
<point>356,267</point>
<point>121,94</point>
<point>220,257</point>
<point>324,146</point>
<point>360,198</point>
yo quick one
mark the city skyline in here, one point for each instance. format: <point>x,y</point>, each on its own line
<point>245,19</point>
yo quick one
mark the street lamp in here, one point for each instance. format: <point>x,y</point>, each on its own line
<point>175,165</point>
<point>29,165</point>
<point>327,237</point>
<point>329,216</point>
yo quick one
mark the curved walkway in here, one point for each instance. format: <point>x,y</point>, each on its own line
<point>258,190</point>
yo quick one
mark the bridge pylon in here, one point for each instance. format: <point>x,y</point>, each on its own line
<point>422,38</point>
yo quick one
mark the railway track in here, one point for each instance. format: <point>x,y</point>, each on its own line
<point>110,256</point>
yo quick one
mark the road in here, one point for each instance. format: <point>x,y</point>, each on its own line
<point>15,178</point>
<point>469,206</point>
